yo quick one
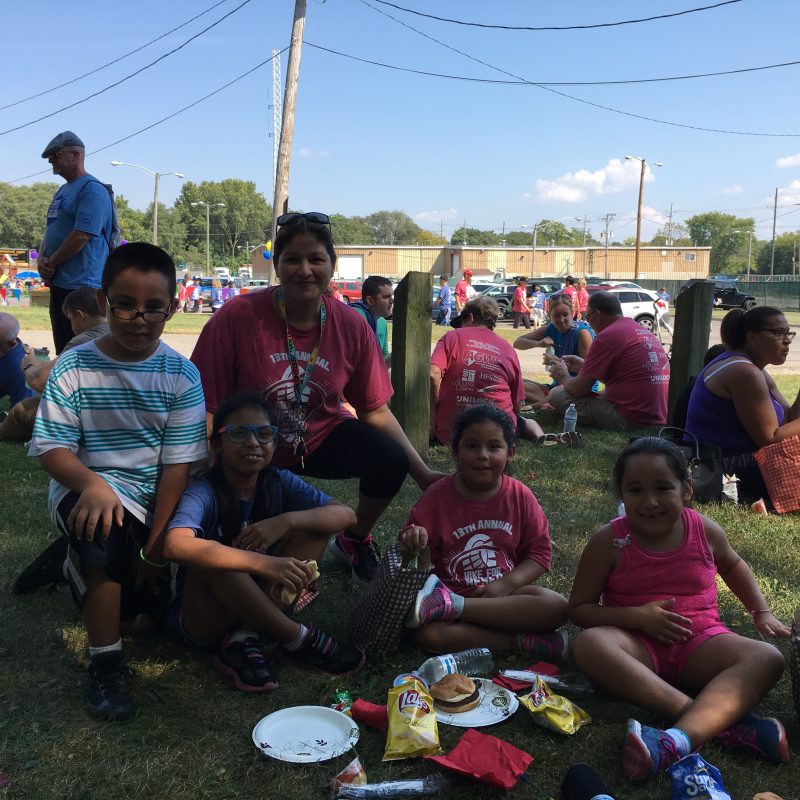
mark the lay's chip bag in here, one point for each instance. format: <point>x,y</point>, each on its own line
<point>412,722</point>
<point>552,711</point>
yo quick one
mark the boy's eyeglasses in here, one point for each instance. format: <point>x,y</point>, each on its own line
<point>128,314</point>
<point>317,217</point>
<point>239,434</point>
<point>781,333</point>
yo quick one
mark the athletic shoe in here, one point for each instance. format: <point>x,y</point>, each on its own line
<point>108,696</point>
<point>3,416</point>
<point>244,663</point>
<point>322,652</point>
<point>647,751</point>
<point>551,647</point>
<point>47,569</point>
<point>361,555</point>
<point>434,603</point>
<point>568,439</point>
<point>765,735</point>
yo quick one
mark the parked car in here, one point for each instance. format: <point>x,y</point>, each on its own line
<point>254,285</point>
<point>726,294</point>
<point>350,289</point>
<point>639,304</point>
<point>504,293</point>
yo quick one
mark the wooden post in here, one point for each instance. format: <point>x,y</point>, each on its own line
<point>411,357</point>
<point>689,344</point>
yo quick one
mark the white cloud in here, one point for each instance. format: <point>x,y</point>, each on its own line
<point>527,196</point>
<point>787,195</point>
<point>788,161</point>
<point>436,216</point>
<point>735,189</point>
<point>307,152</point>
<point>575,187</point>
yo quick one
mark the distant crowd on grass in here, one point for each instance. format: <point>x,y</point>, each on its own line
<point>287,383</point>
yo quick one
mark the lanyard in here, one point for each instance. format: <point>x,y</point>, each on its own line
<point>300,387</point>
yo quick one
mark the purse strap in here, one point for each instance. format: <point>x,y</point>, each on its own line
<point>684,436</point>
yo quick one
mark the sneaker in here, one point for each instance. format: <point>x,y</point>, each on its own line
<point>322,652</point>
<point>568,439</point>
<point>47,569</point>
<point>551,647</point>
<point>765,735</point>
<point>108,696</point>
<point>434,603</point>
<point>244,663</point>
<point>361,555</point>
<point>3,416</point>
<point>647,751</point>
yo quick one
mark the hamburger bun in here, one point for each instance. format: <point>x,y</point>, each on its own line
<point>287,596</point>
<point>455,694</point>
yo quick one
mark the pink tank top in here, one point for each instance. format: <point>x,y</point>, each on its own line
<point>687,573</point>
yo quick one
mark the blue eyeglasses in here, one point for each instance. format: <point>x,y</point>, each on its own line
<point>239,434</point>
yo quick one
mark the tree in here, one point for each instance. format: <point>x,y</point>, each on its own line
<point>785,255</point>
<point>393,227</point>
<point>676,235</point>
<point>473,237</point>
<point>171,231</point>
<point>23,213</point>
<point>132,222</point>
<point>351,230</point>
<point>430,239</point>
<point>725,234</point>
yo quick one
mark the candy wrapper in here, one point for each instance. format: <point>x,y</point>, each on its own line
<point>695,779</point>
<point>552,711</point>
<point>412,723</point>
<point>353,774</point>
<point>342,701</point>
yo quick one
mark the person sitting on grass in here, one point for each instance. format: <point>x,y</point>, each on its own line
<point>120,421</point>
<point>88,322</point>
<point>646,594</point>
<point>565,334</point>
<point>473,365</point>
<point>243,536</point>
<point>489,544</point>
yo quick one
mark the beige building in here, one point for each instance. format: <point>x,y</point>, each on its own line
<point>655,263</point>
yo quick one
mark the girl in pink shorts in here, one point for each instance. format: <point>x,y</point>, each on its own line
<point>645,593</point>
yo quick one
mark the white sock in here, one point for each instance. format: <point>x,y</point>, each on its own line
<point>682,741</point>
<point>241,635</point>
<point>109,648</point>
<point>299,639</point>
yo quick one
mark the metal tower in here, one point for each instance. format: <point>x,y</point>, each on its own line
<point>277,106</point>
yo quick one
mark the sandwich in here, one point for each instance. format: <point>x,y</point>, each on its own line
<point>286,595</point>
<point>455,694</point>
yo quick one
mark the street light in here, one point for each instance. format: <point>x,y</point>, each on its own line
<point>157,176</point>
<point>542,223</point>
<point>208,206</point>
<point>639,211</point>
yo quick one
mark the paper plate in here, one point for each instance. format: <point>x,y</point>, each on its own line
<point>304,734</point>
<point>497,704</point>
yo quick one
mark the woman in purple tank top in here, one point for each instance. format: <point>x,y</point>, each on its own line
<point>645,593</point>
<point>735,403</point>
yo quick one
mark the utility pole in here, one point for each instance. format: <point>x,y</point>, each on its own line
<point>276,114</point>
<point>608,219</point>
<point>774,220</point>
<point>749,252</point>
<point>281,200</point>
<point>669,227</point>
<point>585,223</point>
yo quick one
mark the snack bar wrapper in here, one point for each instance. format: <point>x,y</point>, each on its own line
<point>695,779</point>
<point>552,711</point>
<point>412,722</point>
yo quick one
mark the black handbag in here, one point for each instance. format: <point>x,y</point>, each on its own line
<point>703,460</point>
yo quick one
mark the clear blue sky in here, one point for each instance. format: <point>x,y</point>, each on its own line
<point>443,151</point>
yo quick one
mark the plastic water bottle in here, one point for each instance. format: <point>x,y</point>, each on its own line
<point>570,418</point>
<point>582,783</point>
<point>477,661</point>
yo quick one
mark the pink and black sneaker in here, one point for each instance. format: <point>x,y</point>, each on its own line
<point>763,735</point>
<point>360,555</point>
<point>434,603</point>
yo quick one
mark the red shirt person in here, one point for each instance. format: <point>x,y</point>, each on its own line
<point>464,290</point>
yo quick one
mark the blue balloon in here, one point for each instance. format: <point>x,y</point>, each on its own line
<point>267,255</point>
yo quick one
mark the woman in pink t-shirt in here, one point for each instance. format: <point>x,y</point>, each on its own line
<point>489,543</point>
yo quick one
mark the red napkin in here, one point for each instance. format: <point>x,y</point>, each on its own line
<point>373,715</point>
<point>486,758</point>
<point>513,685</point>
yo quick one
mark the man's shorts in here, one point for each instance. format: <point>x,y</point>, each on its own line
<point>594,410</point>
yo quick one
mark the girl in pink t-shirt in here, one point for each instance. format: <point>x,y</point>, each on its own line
<point>646,594</point>
<point>489,543</point>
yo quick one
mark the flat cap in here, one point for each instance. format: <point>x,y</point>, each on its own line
<point>63,139</point>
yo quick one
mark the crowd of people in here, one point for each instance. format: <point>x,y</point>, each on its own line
<point>287,383</point>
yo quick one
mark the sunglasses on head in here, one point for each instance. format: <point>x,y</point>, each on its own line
<point>317,217</point>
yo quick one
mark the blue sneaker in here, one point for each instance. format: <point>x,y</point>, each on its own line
<point>763,735</point>
<point>647,751</point>
<point>434,603</point>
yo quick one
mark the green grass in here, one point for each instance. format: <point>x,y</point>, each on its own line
<point>190,737</point>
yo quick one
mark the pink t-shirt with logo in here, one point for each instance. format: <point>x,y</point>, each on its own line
<point>519,303</point>
<point>477,367</point>
<point>472,542</point>
<point>632,364</point>
<point>242,348</point>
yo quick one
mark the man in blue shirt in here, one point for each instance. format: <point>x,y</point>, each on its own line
<point>443,302</point>
<point>377,299</point>
<point>79,226</point>
<point>12,380</point>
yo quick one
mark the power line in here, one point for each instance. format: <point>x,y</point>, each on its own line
<point>551,83</point>
<point>163,119</point>
<point>127,77</point>
<point>115,61</point>
<point>572,97</point>
<point>557,27</point>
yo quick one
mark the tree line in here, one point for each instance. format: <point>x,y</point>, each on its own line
<point>245,221</point>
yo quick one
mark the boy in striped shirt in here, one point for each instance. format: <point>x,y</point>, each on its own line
<point>120,421</point>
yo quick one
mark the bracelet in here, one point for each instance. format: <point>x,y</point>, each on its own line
<point>147,560</point>
<point>756,612</point>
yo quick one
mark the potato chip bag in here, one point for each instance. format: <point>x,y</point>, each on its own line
<point>552,711</point>
<point>412,722</point>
